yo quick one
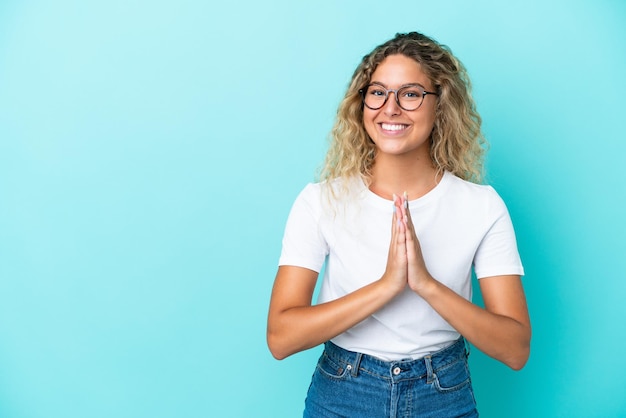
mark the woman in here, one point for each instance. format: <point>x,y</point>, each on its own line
<point>399,220</point>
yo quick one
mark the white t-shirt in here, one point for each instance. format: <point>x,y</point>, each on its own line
<point>459,225</point>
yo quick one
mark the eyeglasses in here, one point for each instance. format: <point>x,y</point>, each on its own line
<point>408,97</point>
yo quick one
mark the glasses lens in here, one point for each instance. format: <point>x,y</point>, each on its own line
<point>410,97</point>
<point>374,96</point>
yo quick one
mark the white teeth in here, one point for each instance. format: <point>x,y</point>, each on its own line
<point>389,127</point>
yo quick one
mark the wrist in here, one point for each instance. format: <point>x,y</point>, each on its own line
<point>391,286</point>
<point>425,287</point>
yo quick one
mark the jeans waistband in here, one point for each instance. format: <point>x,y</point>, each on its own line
<point>398,369</point>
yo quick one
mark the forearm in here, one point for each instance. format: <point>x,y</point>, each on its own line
<point>298,328</point>
<point>499,336</point>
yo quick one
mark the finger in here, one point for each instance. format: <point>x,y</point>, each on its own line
<point>400,219</point>
<point>407,213</point>
<point>401,242</point>
<point>394,214</point>
<point>403,205</point>
<point>393,248</point>
<point>411,237</point>
<point>397,247</point>
<point>398,209</point>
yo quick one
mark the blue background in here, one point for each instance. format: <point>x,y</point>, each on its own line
<point>150,152</point>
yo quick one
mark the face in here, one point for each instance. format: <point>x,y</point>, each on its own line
<point>396,131</point>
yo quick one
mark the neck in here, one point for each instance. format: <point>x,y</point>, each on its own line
<point>396,175</point>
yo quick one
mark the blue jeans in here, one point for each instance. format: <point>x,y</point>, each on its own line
<point>349,384</point>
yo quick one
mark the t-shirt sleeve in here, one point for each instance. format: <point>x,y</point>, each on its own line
<point>303,242</point>
<point>497,253</point>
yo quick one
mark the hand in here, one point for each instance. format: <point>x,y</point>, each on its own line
<point>417,273</point>
<point>396,272</point>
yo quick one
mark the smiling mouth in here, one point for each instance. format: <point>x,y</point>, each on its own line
<point>393,127</point>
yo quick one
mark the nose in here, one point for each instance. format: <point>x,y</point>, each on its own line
<point>391,107</point>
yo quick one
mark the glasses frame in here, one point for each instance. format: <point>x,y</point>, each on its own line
<point>425,93</point>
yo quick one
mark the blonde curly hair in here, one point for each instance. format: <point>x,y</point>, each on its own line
<point>457,143</point>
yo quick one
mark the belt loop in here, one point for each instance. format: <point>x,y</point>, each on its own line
<point>356,364</point>
<point>429,369</point>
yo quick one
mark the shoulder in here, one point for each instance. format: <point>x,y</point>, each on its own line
<point>468,193</point>
<point>331,191</point>
<point>467,186</point>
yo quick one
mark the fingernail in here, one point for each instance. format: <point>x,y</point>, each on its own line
<point>406,200</point>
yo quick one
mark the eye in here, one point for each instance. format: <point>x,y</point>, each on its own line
<point>411,93</point>
<point>376,91</point>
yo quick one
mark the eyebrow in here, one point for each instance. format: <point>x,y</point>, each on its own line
<point>403,85</point>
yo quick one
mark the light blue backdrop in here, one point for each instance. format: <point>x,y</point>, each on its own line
<point>150,152</point>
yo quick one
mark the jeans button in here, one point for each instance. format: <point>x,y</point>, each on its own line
<point>396,371</point>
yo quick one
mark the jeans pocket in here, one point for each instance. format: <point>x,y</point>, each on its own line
<point>333,369</point>
<point>451,377</point>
